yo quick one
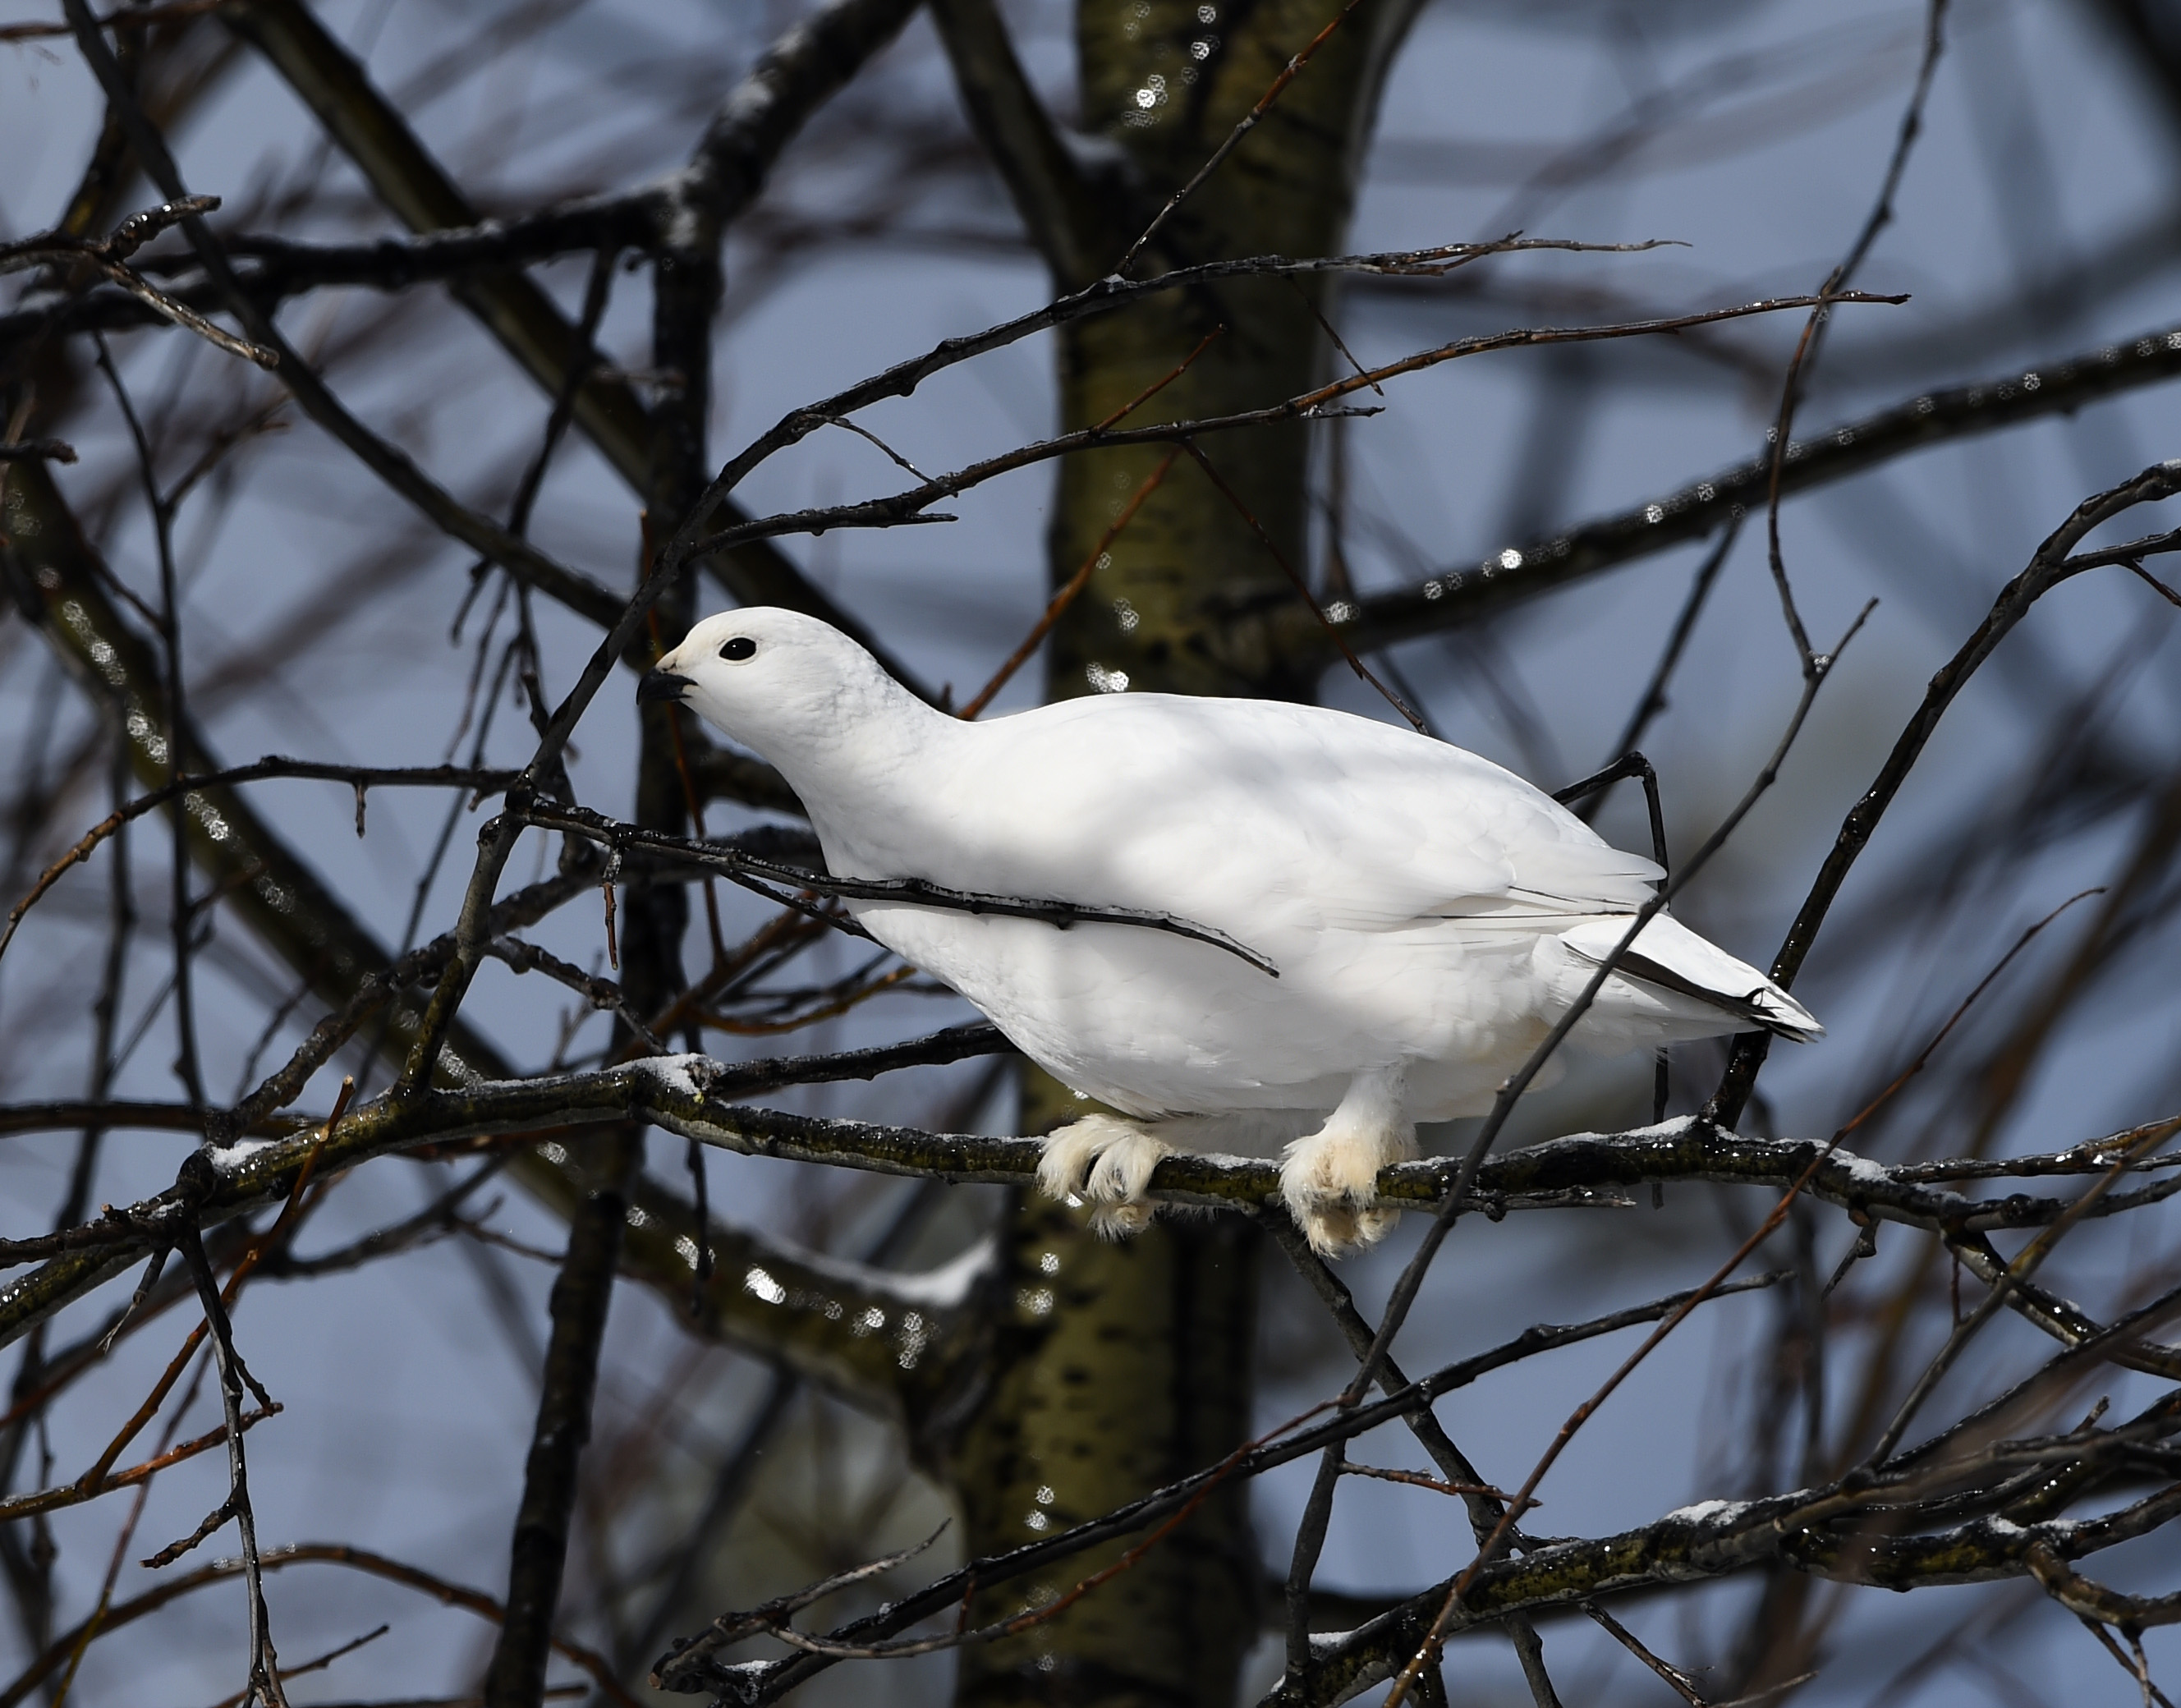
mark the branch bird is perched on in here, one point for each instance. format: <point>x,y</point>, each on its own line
<point>1431,917</point>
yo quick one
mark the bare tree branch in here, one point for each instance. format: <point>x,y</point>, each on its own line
<point>1064,206</point>
<point>755,123</point>
<point>1693,511</point>
<point>2049,567</point>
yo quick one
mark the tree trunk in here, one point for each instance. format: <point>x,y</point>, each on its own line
<point>1122,1366</point>
<point>1181,581</point>
<point>1131,1361</point>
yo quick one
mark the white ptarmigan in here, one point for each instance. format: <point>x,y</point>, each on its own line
<point>1430,914</point>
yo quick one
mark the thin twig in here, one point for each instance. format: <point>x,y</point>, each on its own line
<point>74,1494</point>
<point>1653,701</point>
<point>1411,1280</point>
<point>1417,1480</point>
<point>912,506</point>
<point>2025,1265</point>
<point>1301,587</point>
<point>1247,123</point>
<point>317,1663</point>
<point>687,1662</point>
<point>767,877</point>
<point>1456,596</point>
<point>108,256</point>
<point>356,777</point>
<point>363,1560</point>
<point>1582,1414</point>
<point>1805,347</point>
<point>1103,296</point>
<point>1674,1679</point>
<point>182,921</point>
<point>264,1685</point>
<point>1159,384</point>
<point>1073,587</point>
<point>2048,566</point>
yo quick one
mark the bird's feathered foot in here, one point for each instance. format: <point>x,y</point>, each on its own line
<point>1106,1162</point>
<point>1330,1178</point>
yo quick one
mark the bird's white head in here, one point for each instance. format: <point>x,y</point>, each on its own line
<point>777,681</point>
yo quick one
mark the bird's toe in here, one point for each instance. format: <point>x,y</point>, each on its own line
<point>1072,1151</point>
<point>1122,1221</point>
<point>1328,1168</point>
<point>1332,1225</point>
<point>1374,1225</point>
<point>1330,1182</point>
<point>1123,1172</point>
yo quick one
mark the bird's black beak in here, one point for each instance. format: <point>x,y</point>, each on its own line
<point>661,684</point>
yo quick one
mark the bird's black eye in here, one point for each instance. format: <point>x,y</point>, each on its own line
<point>740,647</point>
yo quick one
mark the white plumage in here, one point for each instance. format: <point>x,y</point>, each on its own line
<point>1431,915</point>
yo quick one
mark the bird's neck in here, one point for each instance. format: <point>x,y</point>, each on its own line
<point>868,768</point>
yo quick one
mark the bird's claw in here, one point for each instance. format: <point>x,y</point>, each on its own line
<point>1105,1162</point>
<point>1329,1180</point>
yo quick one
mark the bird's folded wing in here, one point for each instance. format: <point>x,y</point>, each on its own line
<point>1483,845</point>
<point>1240,814</point>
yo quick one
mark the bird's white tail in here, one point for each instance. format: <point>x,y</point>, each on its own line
<point>1671,956</point>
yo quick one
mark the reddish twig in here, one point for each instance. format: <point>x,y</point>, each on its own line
<point>90,1489</point>
<point>600,1669</point>
<point>1157,386</point>
<point>1076,583</point>
<point>359,776</point>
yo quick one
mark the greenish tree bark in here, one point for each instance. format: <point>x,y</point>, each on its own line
<point>1169,607</point>
<point>1119,1367</point>
<point>1125,1363</point>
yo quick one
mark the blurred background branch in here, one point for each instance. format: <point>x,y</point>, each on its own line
<point>700,232</point>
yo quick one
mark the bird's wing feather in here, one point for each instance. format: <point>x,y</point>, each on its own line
<point>1667,954</point>
<point>1233,811</point>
